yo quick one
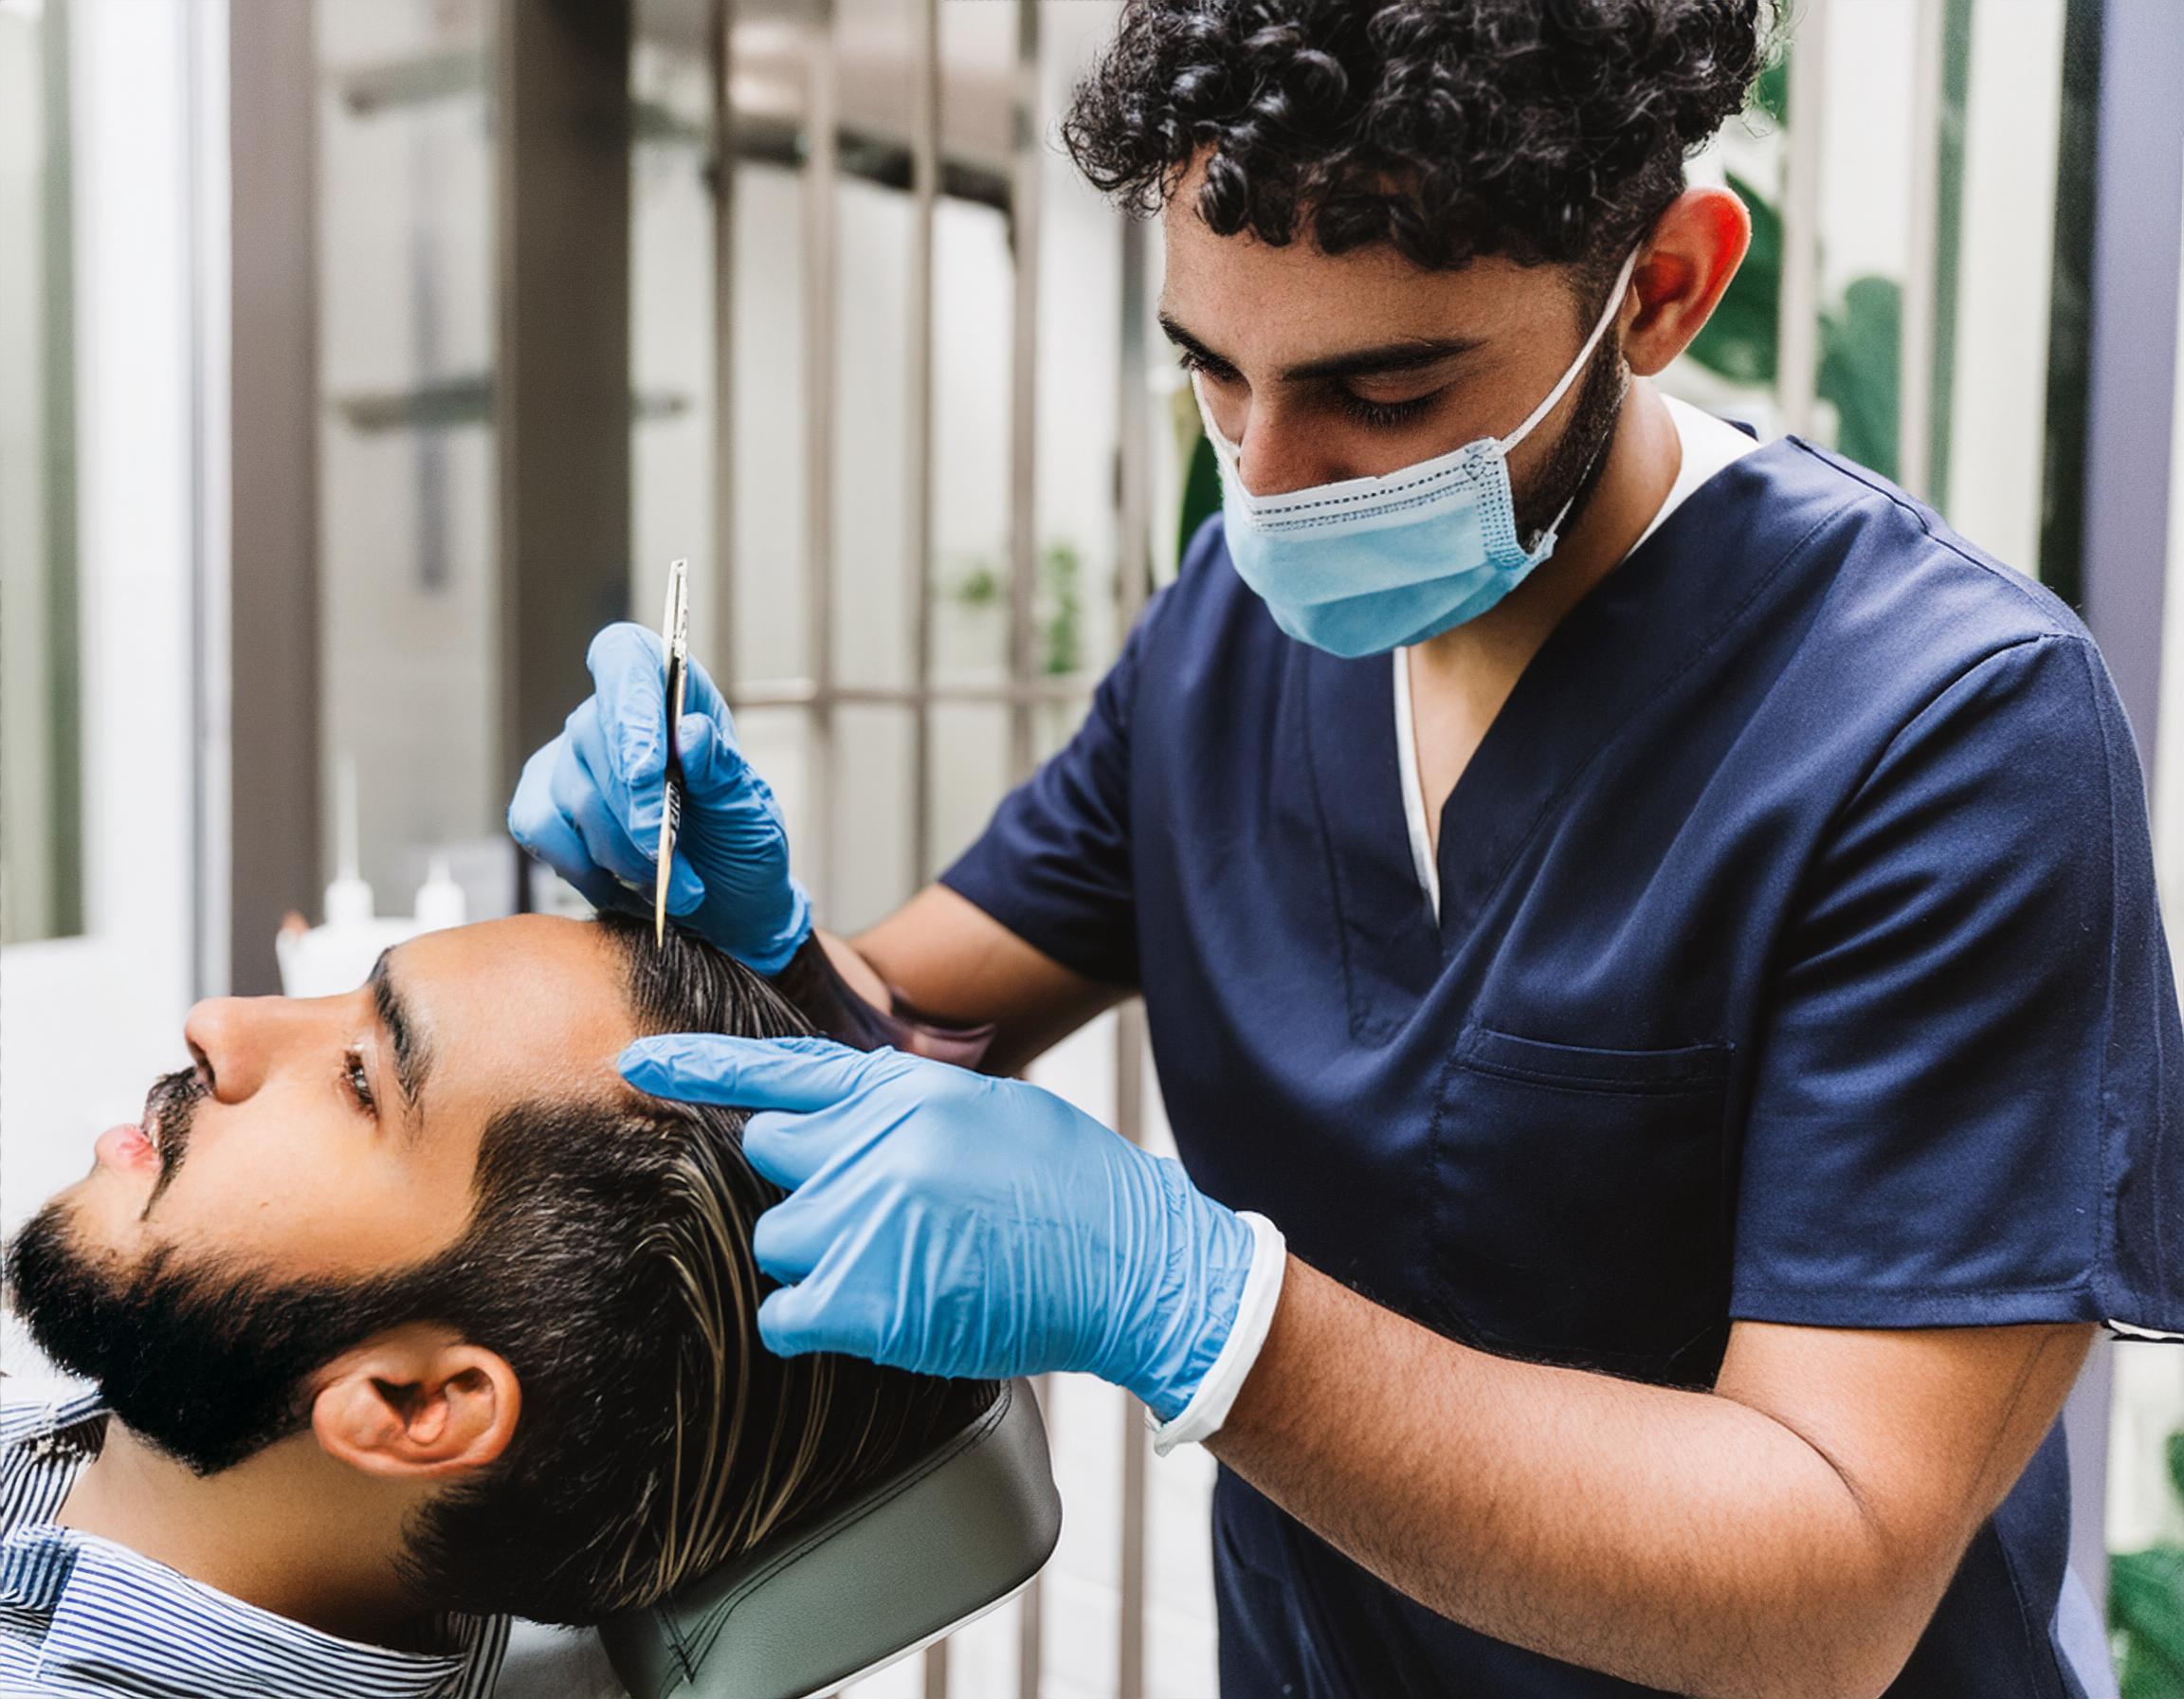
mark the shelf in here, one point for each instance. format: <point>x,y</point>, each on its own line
<point>453,402</point>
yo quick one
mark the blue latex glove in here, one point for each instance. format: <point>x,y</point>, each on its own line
<point>954,1224</point>
<point>589,806</point>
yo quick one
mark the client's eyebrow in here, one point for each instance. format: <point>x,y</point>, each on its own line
<point>412,1057</point>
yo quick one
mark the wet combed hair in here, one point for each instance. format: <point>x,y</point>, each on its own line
<point>658,1438</point>
<point>1545,131</point>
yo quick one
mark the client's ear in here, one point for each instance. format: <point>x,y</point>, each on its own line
<point>416,1402</point>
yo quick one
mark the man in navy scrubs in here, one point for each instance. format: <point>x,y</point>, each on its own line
<point>1650,939</point>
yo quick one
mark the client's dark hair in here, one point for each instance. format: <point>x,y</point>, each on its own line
<point>609,1260</point>
<point>1543,130</point>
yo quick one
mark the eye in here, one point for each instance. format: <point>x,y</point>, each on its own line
<point>1191,360</point>
<point>357,1082</point>
<point>1385,415</point>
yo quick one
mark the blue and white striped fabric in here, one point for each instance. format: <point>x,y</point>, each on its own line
<point>82,1616</point>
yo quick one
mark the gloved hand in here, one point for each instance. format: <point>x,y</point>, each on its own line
<point>954,1224</point>
<point>589,806</point>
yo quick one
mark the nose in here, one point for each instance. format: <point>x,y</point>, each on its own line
<point>237,1041</point>
<point>1279,452</point>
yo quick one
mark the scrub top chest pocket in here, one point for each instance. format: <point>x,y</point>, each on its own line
<point>1580,1203</point>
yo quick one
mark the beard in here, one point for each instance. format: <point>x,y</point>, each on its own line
<point>210,1365</point>
<point>205,1359</point>
<point>1572,472</point>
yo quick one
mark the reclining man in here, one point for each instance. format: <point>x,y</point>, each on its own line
<point>404,1315</point>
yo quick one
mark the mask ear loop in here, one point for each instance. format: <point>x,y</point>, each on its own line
<point>1544,543</point>
<point>1599,329</point>
<point>1223,448</point>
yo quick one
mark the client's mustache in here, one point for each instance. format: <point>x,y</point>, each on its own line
<point>169,1108</point>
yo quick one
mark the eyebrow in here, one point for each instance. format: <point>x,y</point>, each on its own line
<point>412,1055</point>
<point>1407,355</point>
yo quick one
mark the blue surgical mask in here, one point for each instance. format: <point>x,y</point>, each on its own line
<point>1372,565</point>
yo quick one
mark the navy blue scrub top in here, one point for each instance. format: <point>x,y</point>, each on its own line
<point>1798,962</point>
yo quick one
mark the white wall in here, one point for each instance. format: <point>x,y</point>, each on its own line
<point>2149,1388</point>
<point>407,637</point>
<point>1999,411</point>
<point>85,1024</point>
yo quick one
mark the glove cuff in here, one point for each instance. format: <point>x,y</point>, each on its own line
<point>1201,1419</point>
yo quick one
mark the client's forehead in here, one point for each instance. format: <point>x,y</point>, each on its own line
<point>531,1006</point>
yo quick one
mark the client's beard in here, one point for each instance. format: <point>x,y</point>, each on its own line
<point>204,1363</point>
<point>1573,466</point>
<point>205,1360</point>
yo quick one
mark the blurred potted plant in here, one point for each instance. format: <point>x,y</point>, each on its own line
<point>2146,1607</point>
<point>1057,609</point>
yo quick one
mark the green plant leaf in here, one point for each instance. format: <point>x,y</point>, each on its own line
<point>1859,343</point>
<point>1201,493</point>
<point>1770,90</point>
<point>2142,1673</point>
<point>2175,1451</point>
<point>2145,1601</point>
<point>1062,609</point>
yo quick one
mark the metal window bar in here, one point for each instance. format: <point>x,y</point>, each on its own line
<point>1133,579</point>
<point>924,198</point>
<point>823,156</point>
<point>918,477</point>
<point>1915,355</point>
<point>722,615</point>
<point>1024,388</point>
<point>1798,361</point>
<point>1026,687</point>
<point>1798,350</point>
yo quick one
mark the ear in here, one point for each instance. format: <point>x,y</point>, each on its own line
<point>1693,251</point>
<point>414,1403</point>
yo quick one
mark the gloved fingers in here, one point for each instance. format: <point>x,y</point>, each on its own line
<point>787,1240</point>
<point>606,845</point>
<point>701,696</point>
<point>713,764</point>
<point>549,834</point>
<point>818,1315</point>
<point>789,1148</point>
<point>576,794</point>
<point>630,684</point>
<point>753,1074</point>
<point>636,813</point>
<point>536,822</point>
<point>594,748</point>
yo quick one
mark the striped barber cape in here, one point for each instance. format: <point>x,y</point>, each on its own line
<point>82,1616</point>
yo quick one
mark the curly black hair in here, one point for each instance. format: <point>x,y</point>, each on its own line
<point>1545,131</point>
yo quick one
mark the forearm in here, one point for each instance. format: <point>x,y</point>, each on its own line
<point>1677,1539</point>
<point>833,987</point>
<point>956,964</point>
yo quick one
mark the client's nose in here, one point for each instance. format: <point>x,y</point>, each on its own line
<point>235,1040</point>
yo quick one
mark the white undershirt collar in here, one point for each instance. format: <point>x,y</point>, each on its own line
<point>1706,445</point>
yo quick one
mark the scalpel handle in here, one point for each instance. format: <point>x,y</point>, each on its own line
<point>675,643</point>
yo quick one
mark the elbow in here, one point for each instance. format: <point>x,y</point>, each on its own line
<point>1846,1642</point>
<point>1860,1657</point>
<point>1872,1668</point>
<point>1858,1671</point>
